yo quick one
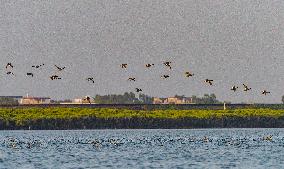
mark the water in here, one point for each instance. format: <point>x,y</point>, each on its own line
<point>224,148</point>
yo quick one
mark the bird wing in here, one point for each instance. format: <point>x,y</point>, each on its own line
<point>57,67</point>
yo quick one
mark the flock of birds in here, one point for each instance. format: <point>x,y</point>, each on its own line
<point>188,75</point>
<point>168,64</point>
<point>18,143</point>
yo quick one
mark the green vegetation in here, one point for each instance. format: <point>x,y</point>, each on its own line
<point>76,118</point>
<point>26,114</point>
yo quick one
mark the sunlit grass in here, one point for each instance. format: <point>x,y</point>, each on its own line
<point>27,114</point>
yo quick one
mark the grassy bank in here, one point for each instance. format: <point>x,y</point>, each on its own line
<point>77,118</point>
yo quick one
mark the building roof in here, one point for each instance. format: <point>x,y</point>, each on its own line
<point>29,97</point>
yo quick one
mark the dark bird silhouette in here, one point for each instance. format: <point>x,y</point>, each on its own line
<point>132,79</point>
<point>88,99</point>
<point>37,66</point>
<point>10,73</point>
<point>9,65</point>
<point>264,92</point>
<point>60,68</point>
<point>138,90</point>
<point>54,77</point>
<point>234,88</point>
<point>124,65</point>
<point>90,79</point>
<point>149,65</point>
<point>246,88</point>
<point>165,76</point>
<point>30,74</point>
<point>188,74</point>
<point>168,64</point>
<point>210,82</point>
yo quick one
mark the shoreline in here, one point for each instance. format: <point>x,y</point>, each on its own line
<point>57,124</point>
<point>152,106</point>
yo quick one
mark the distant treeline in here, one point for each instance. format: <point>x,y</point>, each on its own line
<point>105,118</point>
<point>206,99</point>
<point>130,98</point>
<point>8,101</point>
<point>126,98</point>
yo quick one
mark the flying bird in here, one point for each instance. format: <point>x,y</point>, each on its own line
<point>90,79</point>
<point>234,88</point>
<point>60,68</point>
<point>188,74</point>
<point>246,88</point>
<point>37,66</point>
<point>132,79</point>
<point>165,76</point>
<point>88,99</point>
<point>30,74</point>
<point>168,64</point>
<point>9,65</point>
<point>10,73</point>
<point>54,77</point>
<point>124,65</point>
<point>264,92</point>
<point>149,65</point>
<point>138,90</point>
<point>210,82</point>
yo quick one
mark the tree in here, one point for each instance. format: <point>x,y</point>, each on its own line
<point>126,98</point>
<point>8,101</point>
<point>206,99</point>
<point>179,97</point>
<point>145,99</point>
<point>283,99</point>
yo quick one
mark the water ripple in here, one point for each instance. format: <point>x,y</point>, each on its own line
<point>208,148</point>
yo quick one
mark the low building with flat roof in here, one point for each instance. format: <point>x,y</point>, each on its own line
<point>84,100</point>
<point>157,100</point>
<point>173,100</point>
<point>35,100</point>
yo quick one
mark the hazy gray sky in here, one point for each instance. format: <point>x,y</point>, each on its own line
<point>232,42</point>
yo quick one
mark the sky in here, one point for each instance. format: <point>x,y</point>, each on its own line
<point>231,42</point>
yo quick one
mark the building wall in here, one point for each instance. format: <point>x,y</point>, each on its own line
<point>34,101</point>
<point>157,100</point>
<point>172,100</point>
<point>83,100</point>
<point>77,100</point>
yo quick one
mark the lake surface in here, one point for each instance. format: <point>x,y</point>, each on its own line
<point>222,148</point>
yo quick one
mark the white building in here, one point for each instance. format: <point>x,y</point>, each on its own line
<point>34,100</point>
<point>83,100</point>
